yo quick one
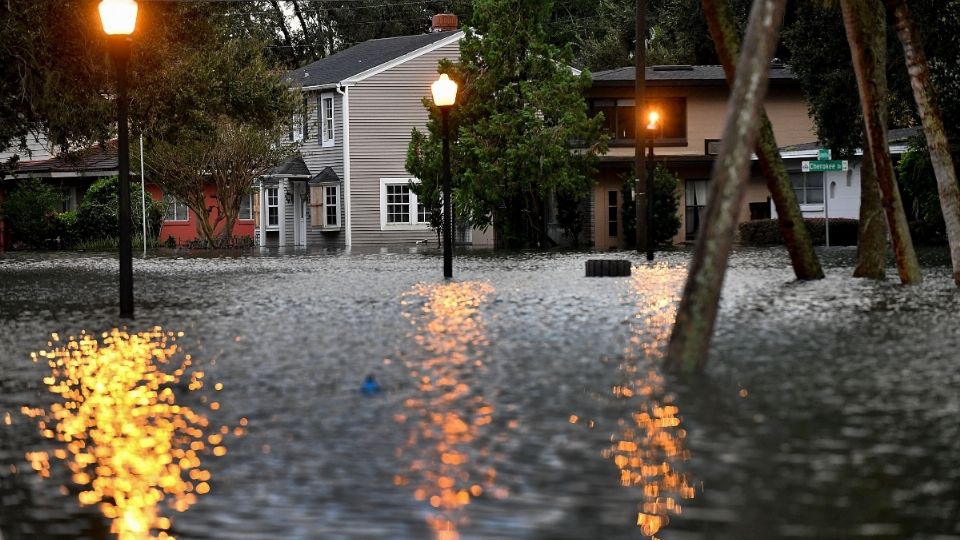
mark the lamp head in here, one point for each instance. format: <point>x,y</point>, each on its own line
<point>119,17</point>
<point>653,119</point>
<point>444,91</point>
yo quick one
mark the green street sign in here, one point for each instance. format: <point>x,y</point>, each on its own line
<point>824,166</point>
<point>823,154</point>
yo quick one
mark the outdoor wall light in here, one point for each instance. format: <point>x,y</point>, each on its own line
<point>119,17</point>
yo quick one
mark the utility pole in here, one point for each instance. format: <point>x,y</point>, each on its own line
<point>642,199</point>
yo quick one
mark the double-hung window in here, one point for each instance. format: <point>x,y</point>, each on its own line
<point>176,210</point>
<point>808,187</point>
<point>325,109</point>
<point>399,206</point>
<point>246,207</point>
<point>272,202</point>
<point>325,206</point>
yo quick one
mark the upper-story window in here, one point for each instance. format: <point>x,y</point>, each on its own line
<point>326,123</point>
<point>619,119</point>
<point>296,128</point>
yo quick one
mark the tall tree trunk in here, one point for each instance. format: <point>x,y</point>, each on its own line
<point>806,265</point>
<point>926,97</point>
<point>281,21</point>
<point>697,313</point>
<point>872,230</point>
<point>866,33</point>
<point>310,46</point>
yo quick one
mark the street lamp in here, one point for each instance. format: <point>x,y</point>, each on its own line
<point>119,19</point>
<point>444,96</point>
<point>653,123</point>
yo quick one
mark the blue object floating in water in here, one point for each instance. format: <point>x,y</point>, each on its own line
<point>370,386</point>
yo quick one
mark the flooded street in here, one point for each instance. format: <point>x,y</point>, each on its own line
<point>521,400</point>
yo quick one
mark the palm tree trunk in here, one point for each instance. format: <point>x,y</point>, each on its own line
<point>697,313</point>
<point>866,33</point>
<point>872,230</point>
<point>806,265</point>
<point>926,97</point>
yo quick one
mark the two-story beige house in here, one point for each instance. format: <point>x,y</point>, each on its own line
<point>692,102</point>
<point>348,184</point>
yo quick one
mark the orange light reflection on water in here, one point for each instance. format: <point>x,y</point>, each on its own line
<point>127,441</point>
<point>447,416</point>
<point>649,445</point>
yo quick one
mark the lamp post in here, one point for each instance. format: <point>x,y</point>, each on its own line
<point>444,96</point>
<point>119,18</point>
<point>653,122</point>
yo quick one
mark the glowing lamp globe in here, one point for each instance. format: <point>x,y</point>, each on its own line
<point>444,91</point>
<point>653,118</point>
<point>119,17</point>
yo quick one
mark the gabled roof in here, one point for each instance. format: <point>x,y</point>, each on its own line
<point>682,75</point>
<point>896,138</point>
<point>292,166</point>
<point>326,176</point>
<point>93,161</point>
<point>359,58</point>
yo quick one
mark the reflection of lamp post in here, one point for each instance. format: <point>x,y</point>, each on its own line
<point>653,122</point>
<point>119,18</point>
<point>444,96</point>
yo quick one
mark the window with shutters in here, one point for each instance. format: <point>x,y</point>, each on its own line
<point>325,206</point>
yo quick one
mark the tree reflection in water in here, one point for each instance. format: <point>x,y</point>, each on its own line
<point>649,445</point>
<point>127,442</point>
<point>445,418</point>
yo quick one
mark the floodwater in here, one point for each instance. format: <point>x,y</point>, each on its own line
<point>520,400</point>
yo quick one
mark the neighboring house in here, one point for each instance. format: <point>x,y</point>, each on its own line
<point>692,102</point>
<point>73,173</point>
<point>834,194</point>
<point>348,185</point>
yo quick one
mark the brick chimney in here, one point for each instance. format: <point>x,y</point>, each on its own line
<point>444,22</point>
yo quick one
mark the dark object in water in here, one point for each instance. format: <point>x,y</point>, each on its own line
<point>370,386</point>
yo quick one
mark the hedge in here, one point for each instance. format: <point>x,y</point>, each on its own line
<point>766,232</point>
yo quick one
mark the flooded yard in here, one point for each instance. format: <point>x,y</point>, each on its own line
<point>520,400</point>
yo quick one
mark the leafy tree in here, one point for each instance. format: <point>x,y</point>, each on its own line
<point>31,211</point>
<point>229,160</point>
<point>519,118</point>
<point>666,207</point>
<point>98,211</point>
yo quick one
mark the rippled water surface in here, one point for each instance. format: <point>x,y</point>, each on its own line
<point>521,400</point>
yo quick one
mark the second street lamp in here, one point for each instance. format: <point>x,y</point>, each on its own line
<point>653,123</point>
<point>444,96</point>
<point>119,19</point>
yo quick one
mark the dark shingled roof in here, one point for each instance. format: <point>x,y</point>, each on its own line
<point>359,58</point>
<point>327,175</point>
<point>92,161</point>
<point>292,166</point>
<point>899,135</point>
<point>681,75</point>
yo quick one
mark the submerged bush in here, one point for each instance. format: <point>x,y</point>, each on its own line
<point>31,213</point>
<point>766,232</point>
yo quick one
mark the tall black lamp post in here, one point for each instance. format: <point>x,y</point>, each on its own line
<point>119,18</point>
<point>444,96</point>
<point>653,122</point>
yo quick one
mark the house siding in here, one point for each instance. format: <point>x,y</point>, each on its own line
<point>383,109</point>
<point>317,157</point>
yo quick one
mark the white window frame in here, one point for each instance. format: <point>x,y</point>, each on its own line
<point>327,119</point>
<point>296,128</point>
<point>802,201</point>
<point>275,192</point>
<point>249,216</point>
<point>173,205</point>
<point>326,205</point>
<point>414,203</point>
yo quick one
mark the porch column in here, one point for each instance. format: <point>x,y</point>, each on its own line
<point>262,196</point>
<point>282,211</point>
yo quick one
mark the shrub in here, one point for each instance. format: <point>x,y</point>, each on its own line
<point>766,232</point>
<point>98,215</point>
<point>31,212</point>
<point>666,204</point>
<point>67,228</point>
